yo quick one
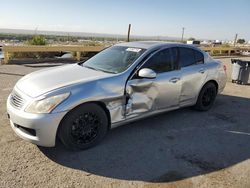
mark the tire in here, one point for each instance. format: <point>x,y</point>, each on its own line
<point>206,97</point>
<point>83,127</point>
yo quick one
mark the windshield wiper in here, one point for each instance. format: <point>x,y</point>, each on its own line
<point>107,71</point>
<point>91,68</point>
<point>99,69</point>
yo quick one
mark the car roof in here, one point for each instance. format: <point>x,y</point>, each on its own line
<point>142,44</point>
<point>155,44</point>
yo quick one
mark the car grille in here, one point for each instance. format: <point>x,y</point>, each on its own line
<point>16,100</point>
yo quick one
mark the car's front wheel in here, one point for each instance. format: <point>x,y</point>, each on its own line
<point>83,127</point>
<point>206,97</point>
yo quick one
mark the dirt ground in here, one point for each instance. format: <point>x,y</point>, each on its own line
<point>183,148</point>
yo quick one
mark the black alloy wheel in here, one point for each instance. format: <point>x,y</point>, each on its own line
<point>83,127</point>
<point>206,97</point>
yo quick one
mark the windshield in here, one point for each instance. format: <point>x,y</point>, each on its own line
<point>115,59</point>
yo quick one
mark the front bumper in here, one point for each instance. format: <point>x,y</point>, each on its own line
<point>44,125</point>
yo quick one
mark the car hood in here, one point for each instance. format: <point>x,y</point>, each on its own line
<point>43,81</point>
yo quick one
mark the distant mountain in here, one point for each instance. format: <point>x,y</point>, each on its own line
<point>83,34</point>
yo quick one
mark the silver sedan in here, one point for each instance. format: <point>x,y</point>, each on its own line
<point>78,103</point>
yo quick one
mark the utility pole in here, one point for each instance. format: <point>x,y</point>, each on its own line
<point>36,30</point>
<point>235,39</point>
<point>183,30</point>
<point>129,27</point>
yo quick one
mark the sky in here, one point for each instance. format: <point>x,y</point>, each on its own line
<point>202,19</point>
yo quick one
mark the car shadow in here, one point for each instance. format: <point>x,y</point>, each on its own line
<point>168,147</point>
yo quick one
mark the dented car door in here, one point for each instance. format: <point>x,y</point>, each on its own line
<point>193,73</point>
<point>162,92</point>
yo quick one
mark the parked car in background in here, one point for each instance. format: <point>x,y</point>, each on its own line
<point>1,54</point>
<point>194,42</point>
<point>67,55</point>
<point>79,103</point>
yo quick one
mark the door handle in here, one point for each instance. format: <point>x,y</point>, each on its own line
<point>174,80</point>
<point>202,71</point>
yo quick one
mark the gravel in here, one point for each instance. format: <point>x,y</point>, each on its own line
<point>183,148</point>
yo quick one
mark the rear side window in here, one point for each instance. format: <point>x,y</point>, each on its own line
<point>189,57</point>
<point>199,57</point>
<point>186,57</point>
<point>161,62</point>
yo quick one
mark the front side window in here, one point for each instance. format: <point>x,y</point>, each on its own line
<point>161,62</point>
<point>115,59</point>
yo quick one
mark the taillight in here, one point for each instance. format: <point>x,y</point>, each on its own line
<point>225,68</point>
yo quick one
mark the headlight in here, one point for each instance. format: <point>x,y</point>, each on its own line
<point>46,105</point>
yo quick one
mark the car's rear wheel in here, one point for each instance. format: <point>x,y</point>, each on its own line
<point>206,97</point>
<point>83,127</point>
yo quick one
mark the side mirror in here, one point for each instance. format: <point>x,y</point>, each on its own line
<point>147,73</point>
